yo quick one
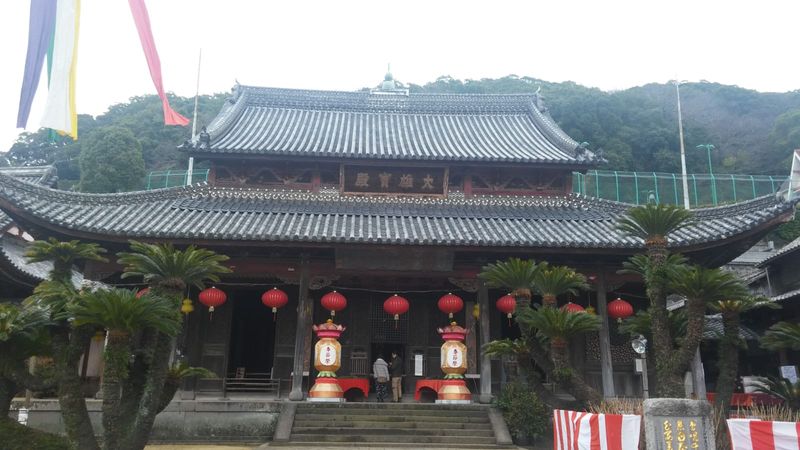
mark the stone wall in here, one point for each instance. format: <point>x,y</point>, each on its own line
<point>182,420</point>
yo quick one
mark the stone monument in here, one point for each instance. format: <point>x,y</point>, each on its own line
<point>678,424</point>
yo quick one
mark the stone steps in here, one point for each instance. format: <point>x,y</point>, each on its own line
<point>392,425</point>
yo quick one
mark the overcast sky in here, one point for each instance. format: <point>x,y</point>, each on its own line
<point>345,45</point>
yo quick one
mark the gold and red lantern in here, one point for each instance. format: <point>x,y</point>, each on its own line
<point>573,308</point>
<point>396,305</point>
<point>507,305</point>
<point>327,360</point>
<point>450,304</point>
<point>274,298</point>
<point>333,301</point>
<point>454,365</point>
<point>142,292</point>
<point>212,297</point>
<point>619,309</point>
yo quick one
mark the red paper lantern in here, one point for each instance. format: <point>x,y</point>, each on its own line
<point>274,298</point>
<point>333,301</point>
<point>212,297</point>
<point>573,308</point>
<point>619,309</point>
<point>142,292</point>
<point>395,305</point>
<point>507,304</point>
<point>450,304</point>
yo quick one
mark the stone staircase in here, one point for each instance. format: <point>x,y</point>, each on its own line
<point>395,425</point>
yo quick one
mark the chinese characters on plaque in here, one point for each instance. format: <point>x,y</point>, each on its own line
<point>394,180</point>
<point>680,434</point>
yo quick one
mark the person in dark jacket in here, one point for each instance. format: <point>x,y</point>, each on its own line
<point>397,370</point>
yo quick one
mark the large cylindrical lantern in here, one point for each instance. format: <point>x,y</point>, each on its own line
<point>212,297</point>
<point>327,360</point>
<point>454,365</point>
<point>450,304</point>
<point>333,301</point>
<point>274,298</point>
<point>619,309</point>
<point>396,305</point>
<point>507,305</point>
<point>573,308</point>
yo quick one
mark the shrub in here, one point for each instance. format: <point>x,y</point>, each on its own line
<point>525,414</point>
<point>20,437</point>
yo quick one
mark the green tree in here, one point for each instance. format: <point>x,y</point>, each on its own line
<point>168,271</point>
<point>653,224</point>
<point>22,336</point>
<point>782,335</point>
<point>122,314</point>
<point>552,281</point>
<point>111,161</point>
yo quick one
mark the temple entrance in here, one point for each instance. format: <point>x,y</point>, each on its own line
<point>252,342</point>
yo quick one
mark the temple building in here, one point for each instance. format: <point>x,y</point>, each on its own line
<point>373,193</point>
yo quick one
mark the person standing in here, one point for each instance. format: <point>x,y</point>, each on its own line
<point>380,370</point>
<point>397,371</point>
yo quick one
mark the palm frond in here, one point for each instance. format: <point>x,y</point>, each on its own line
<point>741,305</point>
<point>558,323</point>
<point>708,285</point>
<point>782,388</point>
<point>558,280</point>
<point>782,335</point>
<point>653,221</point>
<point>505,347</point>
<point>163,264</point>
<point>63,254</point>
<point>120,310</point>
<point>512,274</point>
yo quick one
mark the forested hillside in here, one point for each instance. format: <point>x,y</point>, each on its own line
<point>753,132</point>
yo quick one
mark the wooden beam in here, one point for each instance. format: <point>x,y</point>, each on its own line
<point>606,368</point>
<point>305,309</point>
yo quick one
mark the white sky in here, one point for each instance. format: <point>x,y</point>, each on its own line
<point>345,45</point>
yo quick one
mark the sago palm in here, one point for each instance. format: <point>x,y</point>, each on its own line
<point>63,255</point>
<point>782,335</point>
<point>731,309</point>
<point>559,326</point>
<point>782,388</point>
<point>122,314</point>
<point>552,281</point>
<point>515,274</point>
<point>653,224</point>
<point>165,267</point>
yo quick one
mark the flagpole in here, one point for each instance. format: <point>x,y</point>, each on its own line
<point>194,118</point>
<point>684,176</point>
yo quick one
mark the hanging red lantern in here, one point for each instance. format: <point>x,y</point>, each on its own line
<point>573,308</point>
<point>142,292</point>
<point>507,305</point>
<point>333,301</point>
<point>212,297</point>
<point>395,305</point>
<point>619,309</point>
<point>450,304</point>
<point>274,298</point>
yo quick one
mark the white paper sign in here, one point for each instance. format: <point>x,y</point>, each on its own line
<point>455,357</point>
<point>327,354</point>
<point>790,373</point>
<point>418,365</point>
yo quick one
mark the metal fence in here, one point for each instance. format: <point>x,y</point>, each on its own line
<point>643,187</point>
<point>172,178</point>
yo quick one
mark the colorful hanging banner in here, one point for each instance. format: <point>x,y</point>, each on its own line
<point>60,113</point>
<point>40,35</point>
<point>140,16</point>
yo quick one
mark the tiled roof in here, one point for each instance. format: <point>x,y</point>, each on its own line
<point>388,126</point>
<point>787,249</point>
<point>44,175</point>
<point>714,328</point>
<point>214,213</point>
<point>786,295</point>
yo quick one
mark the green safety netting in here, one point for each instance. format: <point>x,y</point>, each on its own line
<point>704,189</point>
<point>171,178</point>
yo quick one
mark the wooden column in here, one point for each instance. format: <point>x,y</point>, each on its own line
<point>698,375</point>
<point>606,369</point>
<point>486,362</point>
<point>305,308</point>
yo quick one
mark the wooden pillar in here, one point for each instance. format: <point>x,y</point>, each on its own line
<point>606,369</point>
<point>486,361</point>
<point>698,376</point>
<point>305,309</point>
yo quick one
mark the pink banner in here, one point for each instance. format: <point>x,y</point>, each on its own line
<point>140,16</point>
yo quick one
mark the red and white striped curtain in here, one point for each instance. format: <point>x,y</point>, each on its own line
<point>749,434</point>
<point>573,430</point>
